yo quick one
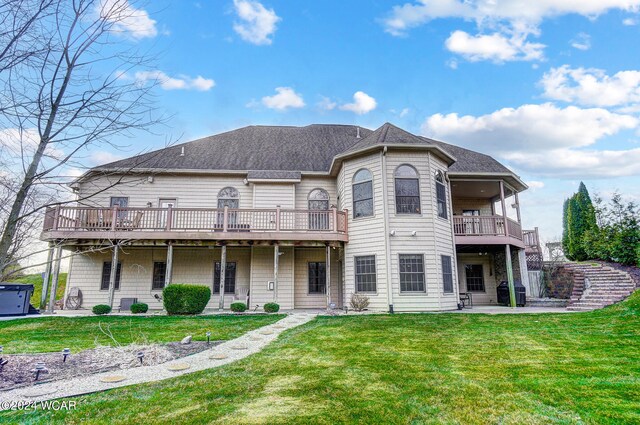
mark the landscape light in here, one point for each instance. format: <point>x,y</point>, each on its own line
<point>140,356</point>
<point>208,338</point>
<point>65,353</point>
<point>39,369</point>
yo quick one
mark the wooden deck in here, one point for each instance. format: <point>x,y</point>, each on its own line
<point>195,224</point>
<point>487,230</point>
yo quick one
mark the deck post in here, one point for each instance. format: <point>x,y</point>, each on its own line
<point>223,271</point>
<point>335,219</point>
<point>278,215</point>
<point>276,260</point>
<point>327,271</point>
<point>113,274</point>
<point>169,221</point>
<point>225,218</point>
<point>518,208</point>
<point>114,217</point>
<point>168,275</point>
<point>46,278</point>
<point>56,217</point>
<point>54,278</point>
<point>512,289</point>
<point>504,210</point>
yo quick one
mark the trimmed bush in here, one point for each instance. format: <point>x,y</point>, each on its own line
<point>185,299</point>
<point>238,307</point>
<point>139,308</point>
<point>101,309</point>
<point>359,302</point>
<point>271,307</point>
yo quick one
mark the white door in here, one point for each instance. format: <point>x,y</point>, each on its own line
<point>164,203</point>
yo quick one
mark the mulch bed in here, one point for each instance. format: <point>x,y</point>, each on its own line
<point>634,272</point>
<point>19,371</point>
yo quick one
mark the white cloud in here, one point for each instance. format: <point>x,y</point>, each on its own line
<point>284,99</point>
<point>592,87</point>
<point>326,104</point>
<point>494,47</point>
<point>534,184</point>
<point>485,12</point>
<point>582,41</point>
<point>104,157</point>
<point>182,82</point>
<point>402,113</point>
<point>362,103</point>
<point>629,22</point>
<point>257,23</point>
<point>127,19</point>
<point>543,139</point>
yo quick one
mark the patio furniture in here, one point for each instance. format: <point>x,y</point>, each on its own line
<point>74,298</point>
<point>466,298</point>
<point>242,294</point>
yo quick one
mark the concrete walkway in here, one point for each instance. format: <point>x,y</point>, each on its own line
<point>227,352</point>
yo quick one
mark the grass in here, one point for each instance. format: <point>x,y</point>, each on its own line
<point>419,369</point>
<point>49,334</point>
<point>36,281</point>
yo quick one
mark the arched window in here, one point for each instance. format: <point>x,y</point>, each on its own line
<point>362,193</point>
<point>441,195</point>
<point>318,202</point>
<point>228,197</point>
<point>407,190</point>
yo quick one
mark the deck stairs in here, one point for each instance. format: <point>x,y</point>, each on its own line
<point>596,286</point>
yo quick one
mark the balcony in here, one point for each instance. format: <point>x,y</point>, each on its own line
<point>195,224</point>
<point>487,230</point>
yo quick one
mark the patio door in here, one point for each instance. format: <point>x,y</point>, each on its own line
<point>165,203</point>
<point>318,204</point>
<point>471,224</point>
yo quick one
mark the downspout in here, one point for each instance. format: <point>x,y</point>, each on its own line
<point>385,199</point>
<point>456,288</point>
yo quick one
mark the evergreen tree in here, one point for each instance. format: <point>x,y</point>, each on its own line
<point>580,220</point>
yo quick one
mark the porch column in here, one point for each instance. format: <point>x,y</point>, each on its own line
<point>504,210</point>
<point>276,259</point>
<point>46,278</point>
<point>328,275</point>
<point>54,279</point>
<point>518,208</point>
<point>223,273</point>
<point>114,271</point>
<point>168,275</point>
<point>512,290</point>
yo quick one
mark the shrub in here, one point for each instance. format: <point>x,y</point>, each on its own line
<point>139,308</point>
<point>238,307</point>
<point>101,309</point>
<point>185,299</point>
<point>359,302</point>
<point>271,307</point>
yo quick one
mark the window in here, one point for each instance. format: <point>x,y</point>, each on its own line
<point>159,273</point>
<point>407,190</point>
<point>106,275</point>
<point>362,193</point>
<point>230,198</point>
<point>229,279</point>
<point>366,273</point>
<point>411,273</point>
<point>475,277</point>
<point>447,273</point>
<point>317,278</point>
<point>441,195</point>
<point>318,202</point>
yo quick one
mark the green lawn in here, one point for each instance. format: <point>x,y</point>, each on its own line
<point>55,333</point>
<point>36,281</point>
<point>431,368</point>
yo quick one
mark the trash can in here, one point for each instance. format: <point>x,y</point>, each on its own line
<point>503,293</point>
<point>14,299</point>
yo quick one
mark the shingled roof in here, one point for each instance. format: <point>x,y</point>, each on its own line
<point>300,149</point>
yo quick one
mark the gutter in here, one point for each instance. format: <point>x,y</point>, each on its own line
<point>387,242</point>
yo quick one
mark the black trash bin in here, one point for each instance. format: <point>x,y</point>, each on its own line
<point>503,293</point>
<point>14,299</point>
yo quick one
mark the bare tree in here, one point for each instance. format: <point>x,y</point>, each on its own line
<point>68,91</point>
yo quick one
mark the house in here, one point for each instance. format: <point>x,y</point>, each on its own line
<point>303,216</point>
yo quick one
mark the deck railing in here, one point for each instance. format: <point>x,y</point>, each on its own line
<point>491,225</point>
<point>531,238</point>
<point>79,219</point>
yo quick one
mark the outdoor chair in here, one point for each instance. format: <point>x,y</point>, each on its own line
<point>242,294</point>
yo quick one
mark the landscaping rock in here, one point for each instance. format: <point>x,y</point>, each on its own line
<point>186,340</point>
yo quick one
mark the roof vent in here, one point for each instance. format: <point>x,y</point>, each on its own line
<point>182,151</point>
<point>358,132</point>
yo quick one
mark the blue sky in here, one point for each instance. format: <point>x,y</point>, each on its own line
<point>551,90</point>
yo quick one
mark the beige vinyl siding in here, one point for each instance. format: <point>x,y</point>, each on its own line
<point>190,265</point>
<point>489,295</point>
<point>308,183</point>
<point>270,195</point>
<point>433,235</point>
<point>366,234</point>
<point>262,272</point>
<point>302,298</point>
<point>461,204</point>
<point>195,191</point>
